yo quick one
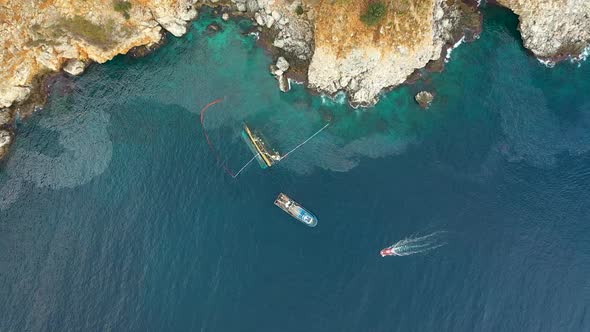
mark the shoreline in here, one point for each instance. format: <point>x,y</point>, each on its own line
<point>467,31</point>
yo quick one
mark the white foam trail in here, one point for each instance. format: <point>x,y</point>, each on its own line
<point>413,251</point>
<point>450,49</point>
<point>338,98</point>
<point>416,245</point>
<point>583,56</point>
<point>547,63</point>
<point>573,59</point>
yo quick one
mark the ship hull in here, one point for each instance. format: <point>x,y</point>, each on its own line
<point>255,151</point>
<point>296,211</point>
<point>387,252</point>
<point>265,155</point>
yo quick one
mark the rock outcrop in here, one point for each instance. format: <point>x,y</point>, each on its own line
<point>278,70</point>
<point>343,53</point>
<point>6,138</point>
<point>322,42</point>
<point>44,36</point>
<point>362,60</point>
<point>6,135</point>
<point>424,99</point>
<point>74,67</point>
<point>293,32</point>
<point>553,29</point>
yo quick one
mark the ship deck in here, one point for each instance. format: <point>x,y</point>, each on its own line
<point>261,150</point>
<point>254,150</point>
<point>295,210</point>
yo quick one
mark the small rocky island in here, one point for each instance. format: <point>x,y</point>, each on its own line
<point>359,47</point>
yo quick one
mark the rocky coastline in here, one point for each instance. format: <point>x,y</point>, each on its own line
<point>321,43</point>
<point>553,30</point>
<point>6,133</point>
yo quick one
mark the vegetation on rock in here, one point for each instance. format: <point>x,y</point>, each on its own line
<point>374,14</point>
<point>122,7</point>
<point>299,10</point>
<point>89,31</point>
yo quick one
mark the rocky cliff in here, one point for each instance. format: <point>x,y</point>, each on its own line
<point>342,53</point>
<point>553,29</point>
<point>6,135</point>
<point>362,59</point>
<point>326,42</point>
<point>43,36</point>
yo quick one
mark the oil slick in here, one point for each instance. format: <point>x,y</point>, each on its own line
<point>265,154</point>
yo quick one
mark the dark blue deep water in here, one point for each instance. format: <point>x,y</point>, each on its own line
<point>114,215</point>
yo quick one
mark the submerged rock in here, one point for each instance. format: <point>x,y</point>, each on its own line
<point>225,16</point>
<point>424,99</point>
<point>213,28</point>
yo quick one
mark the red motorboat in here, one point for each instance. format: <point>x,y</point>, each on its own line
<point>388,252</point>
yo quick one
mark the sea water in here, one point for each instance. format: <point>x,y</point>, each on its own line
<point>115,215</point>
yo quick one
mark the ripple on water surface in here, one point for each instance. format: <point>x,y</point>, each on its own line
<point>115,216</point>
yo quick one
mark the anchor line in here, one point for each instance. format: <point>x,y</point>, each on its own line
<point>246,165</point>
<point>218,157</point>
<point>302,143</point>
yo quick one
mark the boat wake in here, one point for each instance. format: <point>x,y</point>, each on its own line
<point>416,245</point>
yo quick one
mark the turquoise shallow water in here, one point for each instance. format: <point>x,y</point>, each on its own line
<point>115,216</point>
